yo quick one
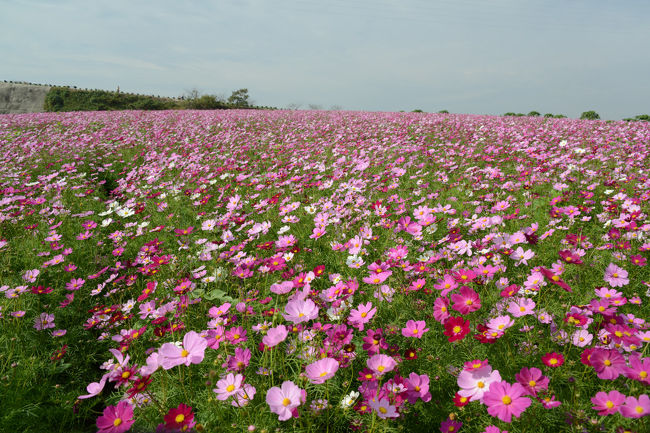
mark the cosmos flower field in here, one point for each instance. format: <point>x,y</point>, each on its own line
<point>323,271</point>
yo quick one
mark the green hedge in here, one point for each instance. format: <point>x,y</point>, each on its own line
<point>68,99</point>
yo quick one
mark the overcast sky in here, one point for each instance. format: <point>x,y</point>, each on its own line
<point>466,56</point>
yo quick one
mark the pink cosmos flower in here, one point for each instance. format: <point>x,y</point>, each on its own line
<point>581,338</point>
<point>275,336</point>
<point>466,301</point>
<point>607,403</point>
<point>377,278</point>
<point>298,311</point>
<point>383,408</point>
<point>282,288</point>
<point>639,369</point>
<point>381,364</point>
<point>318,372</point>
<point>116,419</point>
<point>44,321</point>
<point>361,315</point>
<point>521,307</point>
<point>636,407</point>
<point>417,386</point>
<point>475,383</point>
<point>500,324</point>
<point>493,429</point>
<point>95,388</point>
<point>191,352</point>
<point>609,364</point>
<point>447,284</point>
<point>616,276</point>
<point>285,400</point>
<point>441,309</point>
<point>414,329</point>
<point>532,380</point>
<point>228,386</point>
<point>505,400</point>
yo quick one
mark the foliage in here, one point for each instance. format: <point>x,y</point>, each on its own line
<point>590,115</point>
<point>68,99</point>
<point>239,99</point>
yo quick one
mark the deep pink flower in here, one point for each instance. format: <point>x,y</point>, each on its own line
<point>532,380</point>
<point>417,386</point>
<point>466,301</point>
<point>504,400</point>
<point>608,363</point>
<point>116,419</point>
<point>191,352</point>
<point>607,403</point>
<point>441,309</point>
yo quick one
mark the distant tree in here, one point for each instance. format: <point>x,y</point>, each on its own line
<point>417,110</point>
<point>533,114</point>
<point>509,113</point>
<point>294,106</point>
<point>560,116</point>
<point>590,115</point>
<point>547,115</point>
<point>239,99</point>
<point>314,107</point>
<point>443,112</point>
<point>335,108</point>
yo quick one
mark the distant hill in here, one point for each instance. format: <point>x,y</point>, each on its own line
<point>22,98</point>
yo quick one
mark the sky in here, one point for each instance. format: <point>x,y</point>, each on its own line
<point>464,56</point>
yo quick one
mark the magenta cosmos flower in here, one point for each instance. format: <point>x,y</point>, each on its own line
<point>298,311</point>
<point>467,301</point>
<point>609,364</point>
<point>275,336</point>
<point>285,400</point>
<point>415,329</point>
<point>191,352</point>
<point>607,403</point>
<point>318,372</point>
<point>505,400</point>
<point>532,380</point>
<point>116,419</point>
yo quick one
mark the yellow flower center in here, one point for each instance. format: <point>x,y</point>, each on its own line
<point>607,362</point>
<point>506,399</point>
<point>609,404</point>
<point>381,368</point>
<point>480,384</point>
<point>117,422</point>
<point>179,418</point>
<point>383,409</point>
<point>230,388</point>
<point>184,353</point>
<point>286,402</point>
<point>415,331</point>
<point>643,374</point>
<point>456,329</point>
<point>364,314</point>
<point>532,383</point>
